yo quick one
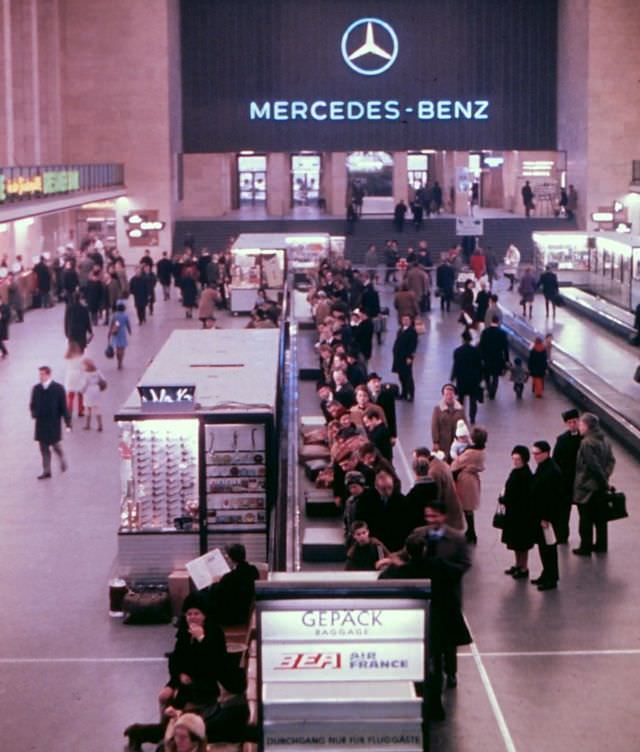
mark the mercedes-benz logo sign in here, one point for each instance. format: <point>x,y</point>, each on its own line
<point>369,46</point>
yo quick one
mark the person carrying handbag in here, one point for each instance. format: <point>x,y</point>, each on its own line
<point>118,329</point>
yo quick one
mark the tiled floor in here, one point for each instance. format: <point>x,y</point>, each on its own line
<point>70,677</point>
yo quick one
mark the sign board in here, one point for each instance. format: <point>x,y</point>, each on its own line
<point>342,662</point>
<point>397,736</point>
<point>469,226</point>
<point>318,648</point>
<point>280,76</point>
<point>350,624</point>
<point>44,182</point>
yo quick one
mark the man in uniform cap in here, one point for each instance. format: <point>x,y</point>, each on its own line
<point>565,453</point>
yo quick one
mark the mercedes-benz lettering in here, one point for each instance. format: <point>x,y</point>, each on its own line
<point>373,109</point>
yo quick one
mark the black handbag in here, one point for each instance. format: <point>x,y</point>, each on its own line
<point>147,605</point>
<point>109,351</point>
<point>614,505</point>
<point>499,517</point>
<point>636,375</point>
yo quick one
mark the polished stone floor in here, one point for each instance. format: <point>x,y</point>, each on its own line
<point>549,671</point>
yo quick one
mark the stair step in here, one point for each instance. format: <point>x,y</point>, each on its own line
<point>323,544</point>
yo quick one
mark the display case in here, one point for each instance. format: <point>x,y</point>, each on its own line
<point>263,259</point>
<point>567,253</point>
<point>253,268</point>
<point>198,451</point>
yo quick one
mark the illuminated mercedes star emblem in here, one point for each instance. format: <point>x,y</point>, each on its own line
<point>374,54</point>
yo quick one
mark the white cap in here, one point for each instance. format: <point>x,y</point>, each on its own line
<point>461,428</point>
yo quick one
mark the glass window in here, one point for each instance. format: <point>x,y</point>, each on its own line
<point>370,173</point>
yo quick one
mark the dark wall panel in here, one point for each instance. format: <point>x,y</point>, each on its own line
<point>235,52</point>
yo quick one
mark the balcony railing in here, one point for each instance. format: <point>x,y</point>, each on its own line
<point>45,181</point>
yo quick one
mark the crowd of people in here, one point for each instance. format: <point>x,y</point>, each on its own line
<point>425,530</point>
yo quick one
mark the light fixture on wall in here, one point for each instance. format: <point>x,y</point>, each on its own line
<point>26,222</point>
<point>4,227</point>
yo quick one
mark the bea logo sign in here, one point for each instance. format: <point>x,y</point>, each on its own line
<point>302,661</point>
<point>369,46</point>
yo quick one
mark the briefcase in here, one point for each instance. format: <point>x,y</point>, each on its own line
<point>615,506</point>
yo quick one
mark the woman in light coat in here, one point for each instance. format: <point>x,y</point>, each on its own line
<point>92,393</point>
<point>74,378</point>
<point>466,469</point>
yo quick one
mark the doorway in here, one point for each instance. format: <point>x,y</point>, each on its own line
<point>252,180</point>
<point>305,179</point>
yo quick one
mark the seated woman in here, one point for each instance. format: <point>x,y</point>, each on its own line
<point>185,733</point>
<point>199,662</point>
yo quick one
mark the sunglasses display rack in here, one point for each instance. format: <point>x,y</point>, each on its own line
<point>236,476</point>
<point>161,457</point>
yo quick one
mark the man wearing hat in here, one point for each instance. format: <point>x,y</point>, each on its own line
<point>565,453</point>
<point>546,496</point>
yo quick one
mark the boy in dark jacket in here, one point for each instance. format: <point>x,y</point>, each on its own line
<point>366,551</point>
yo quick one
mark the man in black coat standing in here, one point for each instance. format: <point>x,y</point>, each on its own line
<point>550,289</point>
<point>404,350</point>
<point>565,453</point>
<point>382,395</point>
<point>466,372</point>
<point>77,322</point>
<point>139,288</point>
<point>48,407</point>
<point>444,559</point>
<point>546,495</point>
<point>494,350</point>
<point>163,270</point>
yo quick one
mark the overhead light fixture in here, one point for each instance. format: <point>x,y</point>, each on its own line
<point>26,222</point>
<point>134,219</point>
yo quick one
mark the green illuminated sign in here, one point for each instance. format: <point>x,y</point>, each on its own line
<point>60,181</point>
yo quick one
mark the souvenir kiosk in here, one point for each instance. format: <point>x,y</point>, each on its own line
<point>198,451</point>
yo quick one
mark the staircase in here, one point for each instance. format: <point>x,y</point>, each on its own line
<point>439,232</point>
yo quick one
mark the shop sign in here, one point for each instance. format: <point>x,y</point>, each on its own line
<point>22,186</point>
<point>342,662</point>
<point>61,181</point>
<point>343,624</point>
<point>46,183</point>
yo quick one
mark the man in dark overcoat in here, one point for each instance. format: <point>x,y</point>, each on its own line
<point>565,454</point>
<point>48,407</point>
<point>444,559</point>
<point>546,496</point>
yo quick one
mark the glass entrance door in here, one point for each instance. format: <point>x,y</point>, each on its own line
<point>252,180</point>
<point>305,179</point>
